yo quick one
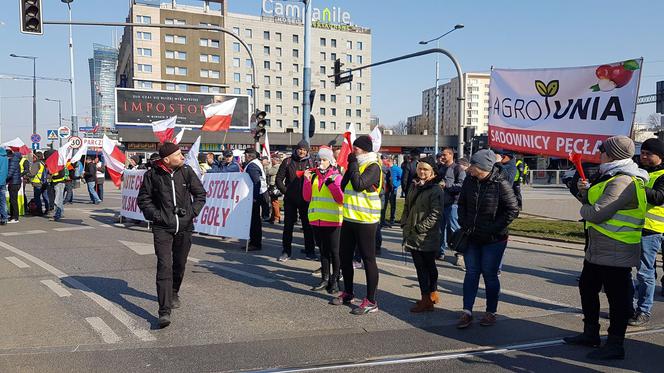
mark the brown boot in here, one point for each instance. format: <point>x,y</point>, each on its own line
<point>424,305</point>
<point>435,298</point>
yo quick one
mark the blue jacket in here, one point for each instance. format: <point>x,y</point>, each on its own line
<point>221,167</point>
<point>396,172</point>
<point>4,166</point>
<point>14,170</point>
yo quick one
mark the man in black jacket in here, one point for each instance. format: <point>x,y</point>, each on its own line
<point>165,198</point>
<point>289,181</point>
<point>409,170</point>
<point>254,169</point>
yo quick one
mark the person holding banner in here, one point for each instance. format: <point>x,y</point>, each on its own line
<point>254,168</point>
<point>322,189</point>
<point>614,209</point>
<point>171,196</point>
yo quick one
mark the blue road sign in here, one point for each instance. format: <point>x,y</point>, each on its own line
<point>52,134</point>
<point>35,146</point>
<point>35,138</point>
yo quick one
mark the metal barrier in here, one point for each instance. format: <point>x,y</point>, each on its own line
<point>545,177</point>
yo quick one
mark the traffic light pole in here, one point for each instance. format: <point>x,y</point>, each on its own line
<point>306,106</point>
<point>461,83</point>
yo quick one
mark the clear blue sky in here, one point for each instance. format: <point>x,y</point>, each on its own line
<point>508,34</point>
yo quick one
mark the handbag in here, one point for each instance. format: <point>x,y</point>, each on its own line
<point>459,241</point>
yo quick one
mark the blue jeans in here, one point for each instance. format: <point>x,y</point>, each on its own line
<point>482,260</point>
<point>69,192</point>
<point>93,193</point>
<point>40,193</point>
<point>644,288</point>
<point>3,203</point>
<point>450,224</point>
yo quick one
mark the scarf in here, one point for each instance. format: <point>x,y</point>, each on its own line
<point>367,158</point>
<point>625,167</point>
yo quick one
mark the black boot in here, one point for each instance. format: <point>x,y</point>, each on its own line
<point>333,285</point>
<point>164,320</point>
<point>589,337</point>
<point>612,350</point>
<point>322,285</point>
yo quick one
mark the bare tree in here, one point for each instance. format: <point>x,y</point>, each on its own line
<point>654,121</point>
<point>400,128</point>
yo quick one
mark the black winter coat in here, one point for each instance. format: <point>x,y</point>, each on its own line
<point>487,207</point>
<point>155,197</point>
<point>287,181</point>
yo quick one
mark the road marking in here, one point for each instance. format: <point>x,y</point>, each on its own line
<point>119,225</point>
<point>139,248</point>
<point>107,334</point>
<point>104,226</point>
<point>104,303</point>
<point>69,229</point>
<point>9,234</point>
<point>57,288</point>
<point>221,267</point>
<point>17,262</point>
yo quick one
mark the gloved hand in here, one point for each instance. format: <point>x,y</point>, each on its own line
<point>352,158</point>
<point>329,181</point>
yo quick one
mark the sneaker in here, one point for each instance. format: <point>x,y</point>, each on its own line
<point>357,265</point>
<point>13,221</point>
<point>342,298</point>
<point>164,321</point>
<point>639,320</point>
<point>464,321</point>
<point>175,302</point>
<point>283,258</point>
<point>365,307</point>
<point>489,319</point>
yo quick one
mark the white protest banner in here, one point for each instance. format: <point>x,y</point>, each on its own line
<point>227,210</point>
<point>131,183</point>
<point>563,110</point>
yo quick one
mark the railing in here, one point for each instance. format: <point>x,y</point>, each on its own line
<point>546,177</point>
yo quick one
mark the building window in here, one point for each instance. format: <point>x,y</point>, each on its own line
<point>334,125</point>
<point>280,123</point>
<point>296,110</point>
<point>212,74</point>
<point>247,63</point>
<point>176,70</point>
<point>296,123</point>
<point>215,58</point>
<point>236,47</point>
<point>279,81</point>
<point>250,92</point>
<point>177,39</point>
<point>266,35</point>
<point>170,87</point>
<point>322,70</point>
<point>266,79</point>
<point>358,100</point>
<point>144,19</point>
<point>278,52</point>
<point>247,78</point>
<point>280,109</point>
<point>322,84</point>
<point>296,82</point>
<point>296,53</point>
<point>203,57</point>
<point>206,89</point>
<point>349,58</point>
<point>277,36</point>
<point>236,77</point>
<point>279,96</point>
<point>360,45</point>
<point>248,33</point>
<point>266,51</point>
<point>322,98</point>
<point>296,38</point>
<point>333,98</point>
<point>181,87</point>
<point>348,112</point>
<point>142,35</point>
<point>147,52</point>
<point>322,56</point>
<point>266,65</point>
<point>169,21</point>
<point>236,62</point>
<point>333,56</point>
<point>349,100</point>
<point>322,125</point>
<point>177,55</point>
<point>359,126</point>
<point>333,112</point>
<point>143,84</point>
<point>349,45</point>
<point>144,68</point>
<point>236,31</point>
<point>296,96</point>
<point>358,113</point>
<point>323,42</point>
<point>278,66</point>
<point>322,111</point>
<point>267,94</point>
<point>237,91</point>
<point>209,43</point>
<point>359,86</point>
<point>359,59</point>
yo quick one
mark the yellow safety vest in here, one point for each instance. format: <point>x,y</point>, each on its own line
<point>655,214</point>
<point>323,206</point>
<point>626,225</point>
<point>517,176</point>
<point>363,207</point>
<point>37,178</point>
<point>21,165</point>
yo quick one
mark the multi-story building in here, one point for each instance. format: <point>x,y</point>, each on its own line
<point>102,85</point>
<point>209,62</point>
<point>476,105</point>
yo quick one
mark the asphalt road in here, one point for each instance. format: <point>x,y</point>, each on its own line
<point>79,296</point>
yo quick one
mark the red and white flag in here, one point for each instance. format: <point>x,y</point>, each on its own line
<point>179,136</point>
<point>115,160</point>
<point>266,148</point>
<point>57,161</point>
<point>376,139</point>
<point>219,115</point>
<point>191,159</point>
<point>83,150</point>
<point>16,145</point>
<point>346,147</point>
<point>164,129</point>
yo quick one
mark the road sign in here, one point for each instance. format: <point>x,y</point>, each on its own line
<point>52,134</point>
<point>35,146</point>
<point>75,142</point>
<point>64,132</point>
<point>35,138</point>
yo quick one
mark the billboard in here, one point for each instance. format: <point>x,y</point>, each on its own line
<point>138,107</point>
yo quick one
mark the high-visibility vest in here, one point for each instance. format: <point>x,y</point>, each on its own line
<point>655,214</point>
<point>363,207</point>
<point>37,179</point>
<point>517,176</point>
<point>323,206</point>
<point>62,178</point>
<point>625,225</point>
<point>22,164</point>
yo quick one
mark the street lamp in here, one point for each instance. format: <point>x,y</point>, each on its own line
<point>437,99</point>
<point>34,89</point>
<point>74,121</point>
<point>59,114</point>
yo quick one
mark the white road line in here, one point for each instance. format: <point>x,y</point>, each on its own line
<point>104,226</point>
<point>139,248</point>
<point>228,269</point>
<point>69,229</point>
<point>104,303</point>
<point>9,234</point>
<point>17,262</point>
<point>107,334</point>
<point>57,288</point>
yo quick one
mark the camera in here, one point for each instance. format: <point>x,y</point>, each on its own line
<point>179,211</point>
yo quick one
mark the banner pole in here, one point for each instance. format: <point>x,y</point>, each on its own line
<point>632,135</point>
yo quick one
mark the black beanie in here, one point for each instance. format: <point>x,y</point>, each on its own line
<point>655,146</point>
<point>431,162</point>
<point>364,142</point>
<point>167,149</point>
<point>303,145</point>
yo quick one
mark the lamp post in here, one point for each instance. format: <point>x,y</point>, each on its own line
<point>34,89</point>
<point>59,115</point>
<point>436,94</point>
<point>74,121</point>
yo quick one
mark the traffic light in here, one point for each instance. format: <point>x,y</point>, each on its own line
<point>312,120</point>
<point>261,123</point>
<point>338,79</point>
<point>31,17</point>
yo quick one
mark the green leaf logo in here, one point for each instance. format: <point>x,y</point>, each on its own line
<point>541,88</point>
<point>631,65</point>
<point>552,88</point>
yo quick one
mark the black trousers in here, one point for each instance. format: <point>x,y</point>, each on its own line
<point>327,239</point>
<point>256,227</point>
<point>427,272</point>
<point>517,192</point>
<point>172,251</point>
<point>393,204</point>
<point>13,200</point>
<point>617,282</point>
<point>364,237</point>
<point>291,212</point>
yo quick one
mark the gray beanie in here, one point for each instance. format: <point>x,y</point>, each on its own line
<point>483,159</point>
<point>619,147</point>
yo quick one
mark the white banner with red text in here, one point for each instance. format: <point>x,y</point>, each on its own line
<point>227,210</point>
<point>563,110</point>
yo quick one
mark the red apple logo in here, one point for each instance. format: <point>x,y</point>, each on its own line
<point>614,76</point>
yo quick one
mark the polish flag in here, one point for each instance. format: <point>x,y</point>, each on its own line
<point>16,145</point>
<point>191,159</point>
<point>178,137</point>
<point>57,161</point>
<point>347,146</point>
<point>164,129</point>
<point>218,115</point>
<point>376,139</point>
<point>266,148</point>
<point>115,160</point>
<point>83,150</point>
